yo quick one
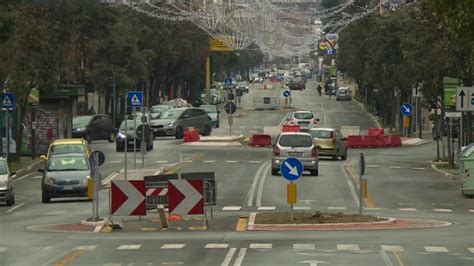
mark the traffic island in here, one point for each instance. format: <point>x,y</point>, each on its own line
<point>66,228</point>
<point>306,221</point>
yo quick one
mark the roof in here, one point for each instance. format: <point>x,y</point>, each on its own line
<point>295,133</point>
<point>303,111</point>
<point>68,141</point>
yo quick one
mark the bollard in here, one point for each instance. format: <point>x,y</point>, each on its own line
<point>364,188</point>
<point>90,188</point>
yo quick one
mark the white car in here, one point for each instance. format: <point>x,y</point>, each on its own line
<point>7,194</point>
<point>305,119</point>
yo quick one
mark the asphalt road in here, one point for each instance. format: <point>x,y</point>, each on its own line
<point>400,181</point>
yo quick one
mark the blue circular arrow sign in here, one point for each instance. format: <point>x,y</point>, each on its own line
<point>286,93</point>
<point>406,109</point>
<point>291,169</point>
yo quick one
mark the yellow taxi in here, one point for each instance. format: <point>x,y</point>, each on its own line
<point>64,146</point>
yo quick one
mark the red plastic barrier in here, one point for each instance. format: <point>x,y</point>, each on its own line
<point>260,140</point>
<point>290,128</point>
<point>375,131</point>
<point>395,140</point>
<point>191,135</point>
<point>355,141</point>
<point>370,142</point>
<point>383,141</point>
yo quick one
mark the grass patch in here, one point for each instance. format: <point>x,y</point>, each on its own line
<point>313,218</point>
<point>447,166</point>
<point>15,166</point>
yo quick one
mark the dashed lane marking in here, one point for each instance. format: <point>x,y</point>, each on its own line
<point>392,248</point>
<point>3,249</point>
<point>92,247</point>
<point>304,246</point>
<point>418,168</point>
<point>161,161</point>
<point>266,208</point>
<point>228,257</point>
<point>405,204</point>
<point>348,247</point>
<point>172,246</point>
<point>115,161</point>
<point>216,245</point>
<point>209,161</point>
<point>471,211</point>
<point>261,245</point>
<point>436,249</point>
<point>253,131</point>
<point>232,208</point>
<point>230,161</point>
<point>336,208</point>
<point>447,204</point>
<point>442,210</point>
<point>302,208</point>
<point>394,167</point>
<point>36,177</point>
<point>372,166</point>
<point>242,126</point>
<point>129,247</point>
<point>240,257</point>
<point>255,161</point>
<point>408,209</point>
<point>16,207</point>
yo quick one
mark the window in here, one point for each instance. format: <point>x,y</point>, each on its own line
<point>67,148</point>
<point>296,141</point>
<point>68,164</point>
<point>303,115</point>
<point>3,168</point>
<point>321,134</point>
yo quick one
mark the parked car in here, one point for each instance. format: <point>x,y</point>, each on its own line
<point>64,146</point>
<point>297,83</point>
<point>127,136</point>
<point>7,193</point>
<point>343,93</point>
<point>242,87</point>
<point>174,121</point>
<point>213,113</point>
<point>299,145</point>
<point>157,110</point>
<point>330,142</point>
<point>93,127</point>
<point>66,175</point>
<point>305,119</point>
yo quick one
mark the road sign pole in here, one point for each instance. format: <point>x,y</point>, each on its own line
<point>7,128</point>
<point>126,138</point>
<point>134,139</point>
<point>143,143</point>
<point>461,131</point>
<point>361,173</point>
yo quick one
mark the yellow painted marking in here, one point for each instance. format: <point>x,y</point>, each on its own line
<point>197,228</point>
<point>399,259</point>
<point>241,225</point>
<point>106,229</point>
<point>180,165</point>
<point>369,201</point>
<point>148,229</point>
<point>69,258</point>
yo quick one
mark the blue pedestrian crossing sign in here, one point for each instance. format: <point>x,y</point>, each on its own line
<point>227,82</point>
<point>135,98</point>
<point>406,109</point>
<point>8,101</point>
<point>291,169</point>
<point>287,93</point>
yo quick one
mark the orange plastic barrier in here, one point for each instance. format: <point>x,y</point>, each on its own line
<point>290,128</point>
<point>260,140</point>
<point>191,135</point>
<point>355,141</point>
<point>375,131</point>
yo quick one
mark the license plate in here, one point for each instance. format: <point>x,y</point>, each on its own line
<point>67,188</point>
<point>295,153</point>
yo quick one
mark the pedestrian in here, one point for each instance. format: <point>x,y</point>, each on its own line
<point>319,89</point>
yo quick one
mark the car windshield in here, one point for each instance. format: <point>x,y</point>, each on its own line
<point>3,168</point>
<point>159,109</point>
<point>242,84</point>
<point>172,114</point>
<point>67,148</point>
<point>296,141</point>
<point>321,134</point>
<point>210,109</point>
<point>68,164</point>
<point>303,115</point>
<point>129,124</point>
<point>342,91</point>
<point>81,121</point>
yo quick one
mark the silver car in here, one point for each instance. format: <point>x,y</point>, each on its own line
<point>299,145</point>
<point>174,121</point>
<point>7,194</point>
<point>305,119</point>
<point>343,93</point>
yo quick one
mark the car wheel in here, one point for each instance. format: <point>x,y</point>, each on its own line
<point>88,137</point>
<point>45,197</point>
<point>207,130</point>
<point>315,172</point>
<point>274,171</point>
<point>344,156</point>
<point>11,200</point>
<point>179,133</point>
<point>335,157</point>
<point>217,125</point>
<point>111,137</point>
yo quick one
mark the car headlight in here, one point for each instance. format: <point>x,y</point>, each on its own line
<point>169,124</point>
<point>80,129</point>
<point>120,135</point>
<point>85,179</point>
<point>49,180</point>
<point>3,185</point>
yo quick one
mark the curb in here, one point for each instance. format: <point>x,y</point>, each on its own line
<point>30,166</point>
<point>373,117</point>
<point>99,225</point>
<point>446,174</point>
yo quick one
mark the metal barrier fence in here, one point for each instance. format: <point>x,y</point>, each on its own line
<point>266,103</point>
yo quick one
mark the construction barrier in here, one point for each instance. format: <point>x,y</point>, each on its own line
<point>191,135</point>
<point>383,141</point>
<point>370,142</point>
<point>395,141</point>
<point>290,128</point>
<point>266,103</point>
<point>260,140</point>
<point>350,131</point>
<point>375,132</point>
<point>355,141</point>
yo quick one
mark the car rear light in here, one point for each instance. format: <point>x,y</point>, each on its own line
<point>276,151</point>
<point>314,152</point>
<point>315,121</point>
<point>333,138</point>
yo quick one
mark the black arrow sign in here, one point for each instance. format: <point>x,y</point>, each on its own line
<point>462,94</point>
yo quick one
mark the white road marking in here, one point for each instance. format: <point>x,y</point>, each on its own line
<point>25,176</point>
<point>36,177</point>
<point>55,212</point>
<point>404,204</point>
<point>172,246</point>
<point>16,207</point>
<point>3,249</point>
<point>261,185</point>
<point>232,208</point>
<point>230,161</point>
<point>109,178</point>
<point>261,245</point>
<point>217,245</point>
<point>256,126</point>
<point>442,210</point>
<point>371,166</point>
<point>92,247</point>
<point>115,161</point>
<point>304,246</point>
<point>348,247</point>
<point>255,161</point>
<point>447,204</point>
<point>394,167</point>
<point>436,249</point>
<point>336,208</point>
<point>408,209</point>
<point>351,185</point>
<point>300,208</point>
<point>471,250</point>
<point>169,263</point>
<point>254,184</point>
<point>418,168</point>
<point>242,126</point>
<point>129,247</point>
<point>392,248</point>
<point>161,161</point>
<point>240,257</point>
<point>209,161</point>
<point>471,211</point>
<point>237,131</point>
<point>385,258</point>
<point>253,131</point>
<point>228,257</point>
<point>266,208</point>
